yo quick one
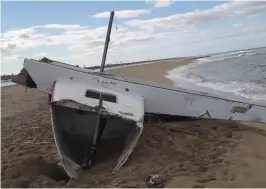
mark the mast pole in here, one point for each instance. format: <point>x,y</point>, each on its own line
<point>100,123</point>
<point>107,40</point>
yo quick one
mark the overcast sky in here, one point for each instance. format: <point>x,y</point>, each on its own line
<point>74,32</point>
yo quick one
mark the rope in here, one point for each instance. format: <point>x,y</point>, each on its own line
<point>151,183</point>
<point>115,23</point>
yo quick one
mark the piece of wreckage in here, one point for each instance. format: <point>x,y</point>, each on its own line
<point>88,109</point>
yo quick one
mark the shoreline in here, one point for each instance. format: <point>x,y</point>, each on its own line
<point>11,84</point>
<point>154,72</point>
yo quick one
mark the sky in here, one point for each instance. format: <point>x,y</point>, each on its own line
<point>74,32</point>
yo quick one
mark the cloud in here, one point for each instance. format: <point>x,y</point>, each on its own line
<point>201,17</point>
<point>59,26</point>
<point>5,47</point>
<point>17,33</point>
<point>161,3</point>
<point>13,57</point>
<point>178,35</point>
<point>26,38</point>
<point>214,36</point>
<point>40,54</point>
<point>77,37</point>
<point>18,38</point>
<point>80,38</point>
<point>123,13</point>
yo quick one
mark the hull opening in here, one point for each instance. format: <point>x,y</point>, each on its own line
<point>74,130</point>
<point>29,82</point>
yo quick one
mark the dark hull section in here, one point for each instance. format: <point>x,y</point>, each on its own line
<point>74,130</point>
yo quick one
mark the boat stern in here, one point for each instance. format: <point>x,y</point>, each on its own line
<point>74,109</point>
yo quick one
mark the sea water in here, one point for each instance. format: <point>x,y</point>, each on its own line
<point>237,75</point>
<point>6,83</point>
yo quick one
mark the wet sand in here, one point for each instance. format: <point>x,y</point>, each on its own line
<point>198,153</point>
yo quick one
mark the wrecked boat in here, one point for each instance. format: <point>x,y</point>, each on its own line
<point>90,109</point>
<point>74,112</point>
<point>158,99</point>
<point>74,98</point>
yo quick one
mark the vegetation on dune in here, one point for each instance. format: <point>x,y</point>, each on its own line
<point>12,76</point>
<point>21,77</point>
<point>7,77</point>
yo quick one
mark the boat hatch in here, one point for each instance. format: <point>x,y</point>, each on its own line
<point>97,94</point>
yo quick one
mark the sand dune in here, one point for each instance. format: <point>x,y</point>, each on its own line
<point>198,153</point>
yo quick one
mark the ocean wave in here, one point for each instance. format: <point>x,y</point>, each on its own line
<point>240,55</point>
<point>237,74</point>
<point>250,90</point>
<point>239,52</point>
<point>247,90</point>
<point>227,56</point>
<point>6,83</point>
<point>212,59</point>
<point>251,54</point>
<point>179,73</point>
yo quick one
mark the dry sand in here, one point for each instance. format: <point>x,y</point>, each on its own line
<point>154,72</point>
<point>200,153</point>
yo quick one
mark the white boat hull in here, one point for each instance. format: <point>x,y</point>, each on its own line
<point>158,99</point>
<point>74,117</point>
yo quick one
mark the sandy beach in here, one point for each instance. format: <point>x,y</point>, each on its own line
<point>154,72</point>
<point>198,153</point>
